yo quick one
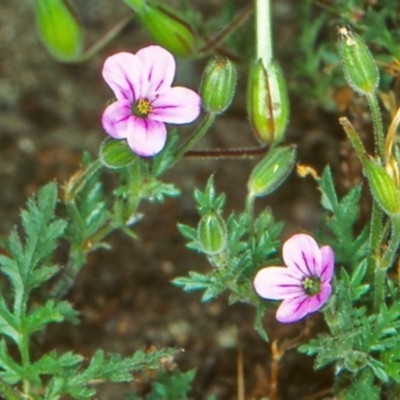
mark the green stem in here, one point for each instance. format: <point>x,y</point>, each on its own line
<point>354,138</point>
<point>226,32</point>
<point>391,251</point>
<point>385,263</point>
<point>264,32</point>
<point>378,126</point>
<point>250,214</point>
<point>379,287</point>
<point>7,392</point>
<point>105,39</point>
<point>204,126</point>
<point>375,237</point>
<point>331,319</point>
<point>79,180</point>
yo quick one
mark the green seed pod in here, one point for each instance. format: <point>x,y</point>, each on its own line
<point>211,233</point>
<point>359,66</point>
<point>272,171</point>
<point>218,85</point>
<point>383,188</point>
<point>58,29</point>
<point>165,26</point>
<point>267,102</point>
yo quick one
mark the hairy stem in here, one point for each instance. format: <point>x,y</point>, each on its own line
<point>200,131</point>
<point>386,262</point>
<point>378,127</point>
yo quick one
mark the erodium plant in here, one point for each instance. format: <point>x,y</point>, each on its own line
<point>347,275</point>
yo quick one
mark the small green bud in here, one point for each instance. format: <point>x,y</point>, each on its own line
<point>271,171</point>
<point>218,85</point>
<point>267,102</point>
<point>211,233</point>
<point>165,26</point>
<point>356,360</point>
<point>359,66</point>
<point>58,29</point>
<point>116,154</point>
<point>383,188</point>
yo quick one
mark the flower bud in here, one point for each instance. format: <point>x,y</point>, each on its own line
<point>267,102</point>
<point>211,233</point>
<point>359,66</point>
<point>58,29</point>
<point>356,360</point>
<point>116,154</point>
<point>272,171</point>
<point>218,85</point>
<point>165,27</point>
<point>383,188</point>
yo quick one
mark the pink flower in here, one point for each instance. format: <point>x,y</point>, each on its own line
<point>304,285</point>
<point>145,100</point>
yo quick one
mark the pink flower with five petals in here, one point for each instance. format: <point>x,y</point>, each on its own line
<point>145,100</point>
<point>304,285</point>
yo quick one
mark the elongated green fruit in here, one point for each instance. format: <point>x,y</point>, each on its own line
<point>383,188</point>
<point>359,66</point>
<point>218,85</point>
<point>165,26</point>
<point>211,233</point>
<point>271,171</point>
<point>58,29</point>
<point>267,102</point>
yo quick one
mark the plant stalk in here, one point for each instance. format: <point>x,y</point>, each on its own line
<point>264,48</point>
<point>204,126</point>
<point>378,127</point>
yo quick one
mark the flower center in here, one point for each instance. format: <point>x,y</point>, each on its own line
<point>312,285</point>
<point>142,108</point>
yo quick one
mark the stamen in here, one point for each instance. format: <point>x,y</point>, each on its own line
<point>142,108</point>
<point>312,285</point>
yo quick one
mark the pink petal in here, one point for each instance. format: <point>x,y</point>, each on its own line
<point>178,105</point>
<point>277,283</point>
<point>327,263</point>
<point>159,65</point>
<point>294,308</point>
<point>125,74</point>
<point>116,119</point>
<point>302,255</point>
<point>146,137</point>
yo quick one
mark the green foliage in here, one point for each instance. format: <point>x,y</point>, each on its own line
<point>363,388</point>
<point>358,340</point>
<point>28,266</point>
<point>250,245</point>
<point>316,68</point>
<point>69,377</point>
<point>88,209</point>
<point>245,251</point>
<point>169,386</point>
<point>350,249</point>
